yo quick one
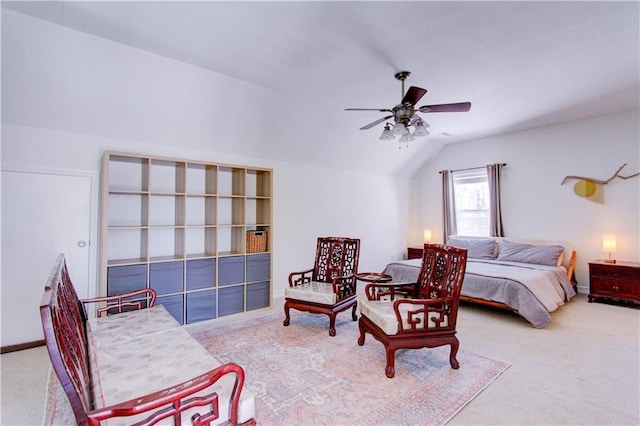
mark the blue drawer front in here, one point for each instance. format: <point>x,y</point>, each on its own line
<point>173,304</point>
<point>124,279</point>
<point>230,270</point>
<point>201,305</point>
<point>258,267</point>
<point>258,295</point>
<point>230,300</point>
<point>166,277</point>
<point>201,273</point>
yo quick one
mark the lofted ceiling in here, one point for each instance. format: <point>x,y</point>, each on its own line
<point>521,64</point>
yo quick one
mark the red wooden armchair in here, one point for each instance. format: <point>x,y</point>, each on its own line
<point>426,321</point>
<point>330,286</point>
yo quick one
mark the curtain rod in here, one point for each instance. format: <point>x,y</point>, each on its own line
<point>471,168</point>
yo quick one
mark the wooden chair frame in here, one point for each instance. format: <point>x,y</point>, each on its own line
<point>336,263</point>
<point>438,290</point>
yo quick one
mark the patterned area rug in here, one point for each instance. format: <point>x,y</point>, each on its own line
<point>302,376</point>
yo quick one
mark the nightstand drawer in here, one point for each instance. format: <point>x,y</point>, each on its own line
<point>614,287</point>
<point>620,272</point>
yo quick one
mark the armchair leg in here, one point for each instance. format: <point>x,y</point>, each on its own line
<point>286,314</point>
<point>361,337</point>
<point>332,325</point>
<point>390,369</point>
<point>353,312</point>
<point>454,351</point>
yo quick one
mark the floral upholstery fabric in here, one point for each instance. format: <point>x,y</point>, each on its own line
<point>315,291</point>
<point>140,352</point>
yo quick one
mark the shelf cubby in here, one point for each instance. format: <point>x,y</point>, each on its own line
<point>201,179</point>
<point>167,177</point>
<point>127,245</point>
<point>200,241</point>
<point>130,174</point>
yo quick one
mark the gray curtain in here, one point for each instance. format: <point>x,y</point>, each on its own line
<point>448,206</point>
<point>494,173</point>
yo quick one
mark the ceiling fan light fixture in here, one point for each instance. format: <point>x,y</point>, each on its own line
<point>407,137</point>
<point>399,129</point>
<point>421,129</point>
<point>386,133</point>
<point>405,115</point>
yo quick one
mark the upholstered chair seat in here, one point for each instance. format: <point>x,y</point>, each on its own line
<point>314,291</point>
<point>382,314</point>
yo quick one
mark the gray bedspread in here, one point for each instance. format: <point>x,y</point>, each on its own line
<point>500,287</point>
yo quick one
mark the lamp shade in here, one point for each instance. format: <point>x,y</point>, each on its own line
<point>386,133</point>
<point>421,129</point>
<point>609,244</point>
<point>426,235</point>
<point>399,129</point>
<point>407,137</point>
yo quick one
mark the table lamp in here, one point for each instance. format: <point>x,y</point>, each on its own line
<point>609,246</point>
<point>426,235</point>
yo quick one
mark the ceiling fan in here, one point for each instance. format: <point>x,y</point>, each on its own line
<point>405,113</point>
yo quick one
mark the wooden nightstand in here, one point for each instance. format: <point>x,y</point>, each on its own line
<point>414,252</point>
<point>617,282</point>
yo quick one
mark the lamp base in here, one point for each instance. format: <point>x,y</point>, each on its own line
<point>609,261</point>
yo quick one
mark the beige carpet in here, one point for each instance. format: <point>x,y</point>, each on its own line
<point>302,376</point>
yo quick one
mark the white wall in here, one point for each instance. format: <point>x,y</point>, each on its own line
<point>68,96</point>
<point>308,202</point>
<point>535,204</point>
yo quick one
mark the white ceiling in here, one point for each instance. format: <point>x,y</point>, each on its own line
<point>520,64</point>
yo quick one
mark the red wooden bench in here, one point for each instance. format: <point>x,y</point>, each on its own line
<point>87,353</point>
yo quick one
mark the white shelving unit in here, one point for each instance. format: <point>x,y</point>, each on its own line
<point>180,227</point>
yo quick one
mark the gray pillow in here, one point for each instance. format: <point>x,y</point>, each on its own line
<point>477,248</point>
<point>529,253</point>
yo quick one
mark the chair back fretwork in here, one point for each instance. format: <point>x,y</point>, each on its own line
<point>336,257</point>
<point>441,277</point>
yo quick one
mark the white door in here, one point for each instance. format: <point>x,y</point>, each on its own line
<point>43,214</point>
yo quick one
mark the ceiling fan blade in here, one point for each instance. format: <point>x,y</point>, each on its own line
<point>367,109</point>
<point>457,107</point>
<point>375,123</point>
<point>413,95</point>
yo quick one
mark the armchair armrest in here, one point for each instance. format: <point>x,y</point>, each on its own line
<point>173,401</point>
<point>344,286</point>
<point>415,314</point>
<point>376,291</point>
<point>118,302</point>
<point>300,278</point>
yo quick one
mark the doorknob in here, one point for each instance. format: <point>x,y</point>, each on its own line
<point>83,243</point>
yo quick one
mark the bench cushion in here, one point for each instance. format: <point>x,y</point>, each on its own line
<point>314,291</point>
<point>140,352</point>
<point>382,314</point>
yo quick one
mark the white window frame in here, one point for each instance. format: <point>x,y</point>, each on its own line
<point>469,221</point>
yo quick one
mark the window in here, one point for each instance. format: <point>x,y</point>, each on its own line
<point>471,195</point>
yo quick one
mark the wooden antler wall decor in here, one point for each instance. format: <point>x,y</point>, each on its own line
<point>601,182</point>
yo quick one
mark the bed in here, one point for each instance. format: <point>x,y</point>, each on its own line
<point>530,279</point>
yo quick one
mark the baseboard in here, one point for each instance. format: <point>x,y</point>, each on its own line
<point>21,346</point>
